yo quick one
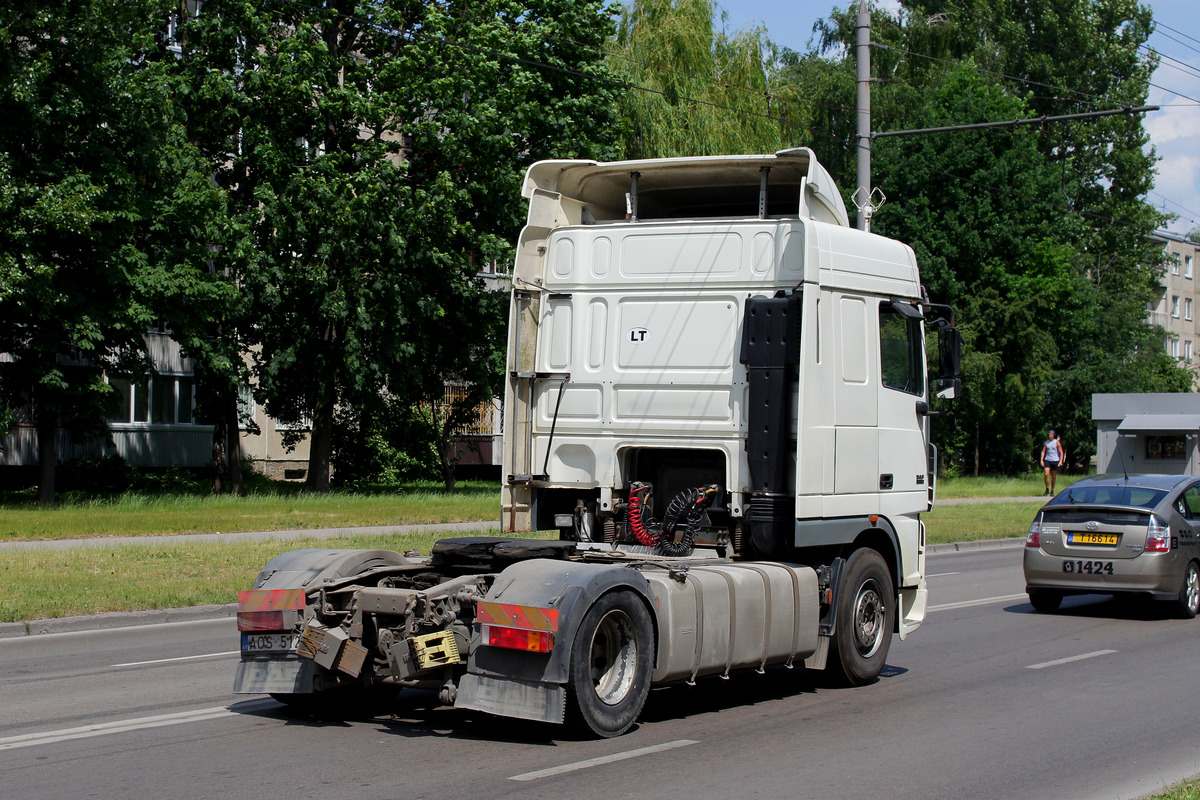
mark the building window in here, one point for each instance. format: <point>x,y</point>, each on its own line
<point>1174,348</point>
<point>1187,350</point>
<point>247,408</point>
<point>1187,267</point>
<point>1175,267</point>
<point>1166,447</point>
<point>1175,306</point>
<point>160,400</point>
<point>1187,308</point>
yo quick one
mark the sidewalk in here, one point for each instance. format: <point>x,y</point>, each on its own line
<point>244,536</point>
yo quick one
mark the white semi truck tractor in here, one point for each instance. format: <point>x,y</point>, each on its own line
<point>718,394</point>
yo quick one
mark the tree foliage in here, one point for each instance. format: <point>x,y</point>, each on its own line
<point>694,89</point>
<point>372,154</point>
<point>91,156</point>
<point>1038,236</point>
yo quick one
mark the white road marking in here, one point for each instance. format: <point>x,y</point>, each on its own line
<point>1070,659</point>
<point>595,762</point>
<point>983,601</point>
<point>941,574</point>
<point>177,658</point>
<point>127,725</point>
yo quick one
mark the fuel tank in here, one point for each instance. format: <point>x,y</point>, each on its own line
<point>714,619</point>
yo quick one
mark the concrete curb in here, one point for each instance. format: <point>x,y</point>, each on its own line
<point>115,619</point>
<point>979,544</point>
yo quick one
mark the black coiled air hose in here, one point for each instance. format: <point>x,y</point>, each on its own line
<point>688,504</point>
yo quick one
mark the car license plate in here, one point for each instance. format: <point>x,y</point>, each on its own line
<point>1092,538</point>
<point>269,642</point>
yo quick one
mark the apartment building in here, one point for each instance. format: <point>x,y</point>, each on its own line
<point>1177,308</point>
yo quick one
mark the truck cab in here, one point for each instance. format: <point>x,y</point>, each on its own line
<point>707,321</point>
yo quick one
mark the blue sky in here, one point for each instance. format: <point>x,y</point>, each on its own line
<point>1174,131</point>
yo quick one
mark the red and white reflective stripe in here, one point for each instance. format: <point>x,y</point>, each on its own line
<point>529,618</point>
<point>271,600</point>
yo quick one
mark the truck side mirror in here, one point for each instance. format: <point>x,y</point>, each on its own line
<point>949,350</point>
<point>949,388</point>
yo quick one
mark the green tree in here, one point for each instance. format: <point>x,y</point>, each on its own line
<point>1040,238</point>
<point>88,161</point>
<point>696,89</point>
<point>372,155</point>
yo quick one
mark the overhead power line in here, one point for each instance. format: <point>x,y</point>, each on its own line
<point>1011,123</point>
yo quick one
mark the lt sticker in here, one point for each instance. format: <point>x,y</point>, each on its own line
<point>639,335</point>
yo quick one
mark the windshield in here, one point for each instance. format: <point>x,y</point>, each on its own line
<point>1110,495</point>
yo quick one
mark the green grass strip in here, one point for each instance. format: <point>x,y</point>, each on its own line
<point>156,515</point>
<point>967,522</point>
<point>54,583</point>
<point>988,486</point>
<point>1187,790</point>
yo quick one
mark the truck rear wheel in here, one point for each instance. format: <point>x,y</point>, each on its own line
<point>611,661</point>
<point>866,614</point>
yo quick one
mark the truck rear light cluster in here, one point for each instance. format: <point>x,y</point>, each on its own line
<point>269,609</point>
<point>264,620</point>
<point>1158,536</point>
<point>518,639</point>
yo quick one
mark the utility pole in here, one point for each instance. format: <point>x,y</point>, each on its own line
<point>862,54</point>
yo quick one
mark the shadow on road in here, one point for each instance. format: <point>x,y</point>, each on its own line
<point>418,713</point>
<point>1102,606</point>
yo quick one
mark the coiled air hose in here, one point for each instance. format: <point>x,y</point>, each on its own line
<point>688,505</point>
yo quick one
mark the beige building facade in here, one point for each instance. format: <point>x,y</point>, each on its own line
<point>1177,308</point>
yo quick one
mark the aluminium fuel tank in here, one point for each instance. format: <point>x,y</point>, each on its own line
<point>714,619</point>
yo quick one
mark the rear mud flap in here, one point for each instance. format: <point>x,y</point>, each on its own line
<point>508,698</point>
<point>278,677</point>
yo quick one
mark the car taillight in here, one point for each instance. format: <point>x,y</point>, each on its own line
<point>1158,536</point>
<point>518,639</point>
<point>1034,537</point>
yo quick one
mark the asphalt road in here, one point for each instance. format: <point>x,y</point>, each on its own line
<point>987,700</point>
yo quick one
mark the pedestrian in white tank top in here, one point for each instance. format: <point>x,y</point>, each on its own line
<point>1053,455</point>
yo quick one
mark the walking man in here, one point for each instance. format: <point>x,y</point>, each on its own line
<point>1053,455</point>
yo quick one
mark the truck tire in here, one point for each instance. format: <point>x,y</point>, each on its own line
<point>866,614</point>
<point>611,662</point>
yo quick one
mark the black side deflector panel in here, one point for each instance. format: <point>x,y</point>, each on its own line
<point>771,353</point>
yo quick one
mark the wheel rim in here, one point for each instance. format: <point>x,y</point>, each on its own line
<point>613,657</point>
<point>869,613</point>
<point>1192,588</point>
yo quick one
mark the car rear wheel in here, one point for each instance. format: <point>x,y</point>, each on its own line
<point>1188,603</point>
<point>1045,601</point>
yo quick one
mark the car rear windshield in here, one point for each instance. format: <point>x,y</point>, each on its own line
<point>1140,496</point>
<point>1067,516</point>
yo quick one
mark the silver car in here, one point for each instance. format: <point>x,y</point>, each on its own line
<point>1115,534</point>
